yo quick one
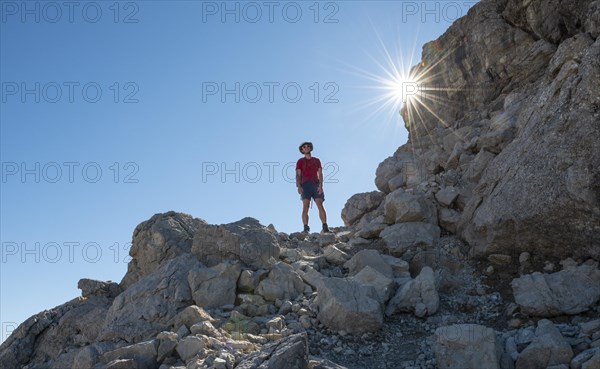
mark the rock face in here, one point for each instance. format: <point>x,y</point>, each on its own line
<point>503,136</point>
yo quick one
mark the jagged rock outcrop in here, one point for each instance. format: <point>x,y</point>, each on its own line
<point>157,240</point>
<point>509,143</point>
<point>245,240</point>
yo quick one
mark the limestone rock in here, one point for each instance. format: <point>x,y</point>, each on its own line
<point>155,241</point>
<point>403,167</point>
<point>359,204</point>
<point>402,237</point>
<point>370,258</point>
<point>249,280</point>
<point>446,196</point>
<point>189,316</point>
<point>90,287</point>
<point>334,255</point>
<point>44,336</point>
<point>189,347</point>
<point>245,240</point>
<point>421,290</point>
<point>290,352</point>
<point>547,348</point>
<point>583,357</point>
<point>400,267</point>
<point>282,283</point>
<point>348,305</point>
<point>312,277</point>
<point>204,282</point>
<point>468,346</point>
<point>371,230</point>
<point>143,354</point>
<point>122,364</point>
<point>570,291</point>
<point>401,206</point>
<point>384,286</point>
<point>147,305</point>
<point>521,203</point>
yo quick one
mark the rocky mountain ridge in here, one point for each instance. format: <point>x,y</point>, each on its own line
<point>479,249</point>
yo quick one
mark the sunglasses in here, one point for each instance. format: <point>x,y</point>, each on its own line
<point>303,146</point>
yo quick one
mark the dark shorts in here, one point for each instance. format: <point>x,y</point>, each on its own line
<point>311,189</point>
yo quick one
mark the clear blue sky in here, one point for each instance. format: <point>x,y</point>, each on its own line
<point>114,111</point>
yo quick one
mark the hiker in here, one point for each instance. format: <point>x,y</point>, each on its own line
<point>309,181</point>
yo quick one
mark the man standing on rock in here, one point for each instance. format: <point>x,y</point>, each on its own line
<point>309,181</point>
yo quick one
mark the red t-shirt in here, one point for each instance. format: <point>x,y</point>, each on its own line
<point>309,168</point>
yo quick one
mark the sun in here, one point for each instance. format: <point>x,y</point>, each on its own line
<point>402,88</point>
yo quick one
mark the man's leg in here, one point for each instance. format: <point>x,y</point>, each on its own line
<point>322,212</point>
<point>305,205</point>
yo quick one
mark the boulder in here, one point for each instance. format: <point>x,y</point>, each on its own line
<point>418,296</point>
<point>583,357</point>
<point>144,354</point>
<point>360,204</point>
<point>371,229</point>
<point>189,316</point>
<point>402,237</point>
<point>245,240</point>
<point>282,283</point>
<point>401,206</point>
<point>146,306</point>
<point>446,196</point>
<point>402,169</point>
<point>334,255</point>
<point>569,291</point>
<point>290,352</point>
<point>157,240</point>
<point>400,268</point>
<point>384,286</point>
<point>370,258</point>
<point>249,279</point>
<point>466,346</point>
<point>312,277</point>
<point>223,277</point>
<point>189,346</point>
<point>90,287</point>
<point>167,341</point>
<point>349,305</point>
<point>548,348</point>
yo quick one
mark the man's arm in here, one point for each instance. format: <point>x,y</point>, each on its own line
<point>299,180</point>
<point>320,175</point>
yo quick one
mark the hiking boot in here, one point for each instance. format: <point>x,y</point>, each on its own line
<point>306,229</point>
<point>326,228</point>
